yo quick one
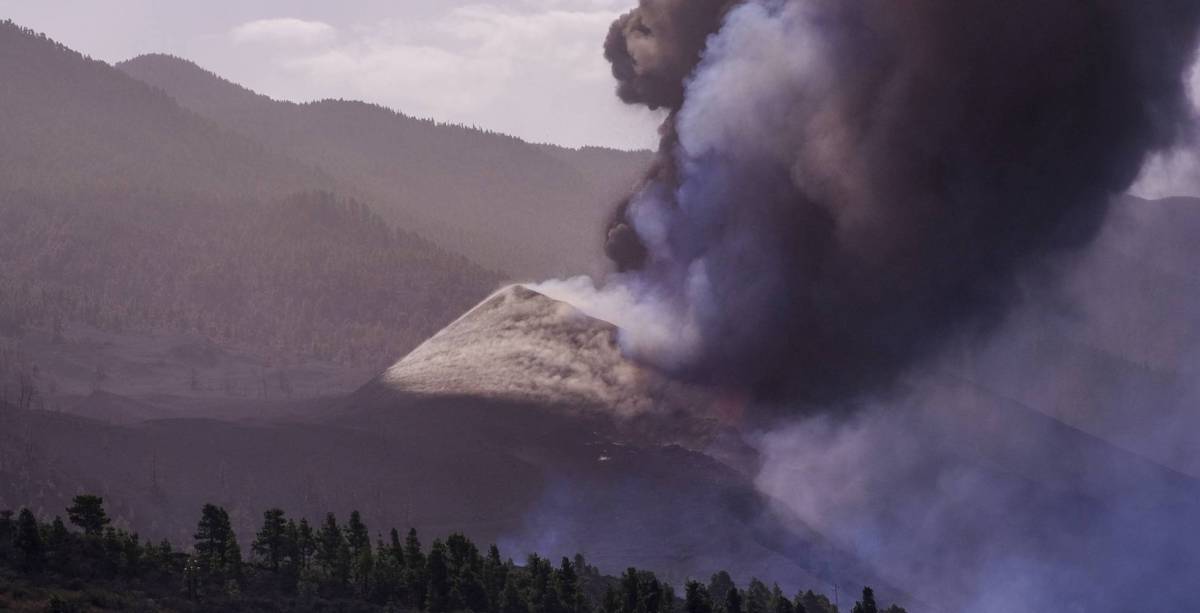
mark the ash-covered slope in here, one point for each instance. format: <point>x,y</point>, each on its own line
<point>521,346</point>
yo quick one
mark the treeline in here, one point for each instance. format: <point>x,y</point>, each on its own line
<point>295,565</point>
<point>311,275</point>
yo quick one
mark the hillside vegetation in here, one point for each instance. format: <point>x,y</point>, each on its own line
<point>125,211</point>
<point>530,210</point>
<point>327,565</point>
<point>309,274</point>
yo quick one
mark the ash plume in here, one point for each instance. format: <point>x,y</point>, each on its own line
<point>843,185</point>
<point>653,49</point>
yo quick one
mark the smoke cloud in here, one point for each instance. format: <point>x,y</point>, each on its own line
<point>884,204</point>
<point>977,506</point>
<point>1052,467</point>
<point>843,186</point>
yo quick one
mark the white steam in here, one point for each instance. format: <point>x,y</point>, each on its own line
<point>1175,172</point>
<point>651,329</point>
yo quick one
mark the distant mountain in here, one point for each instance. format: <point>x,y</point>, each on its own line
<point>127,212</point>
<point>70,124</point>
<point>531,210</point>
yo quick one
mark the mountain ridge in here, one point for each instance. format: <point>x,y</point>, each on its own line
<point>72,123</point>
<point>533,210</point>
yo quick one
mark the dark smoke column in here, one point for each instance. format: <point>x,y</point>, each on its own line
<point>844,184</point>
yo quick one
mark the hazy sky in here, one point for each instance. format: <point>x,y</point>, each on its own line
<point>532,68</point>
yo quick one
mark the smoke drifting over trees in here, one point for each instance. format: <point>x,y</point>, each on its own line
<point>842,186</point>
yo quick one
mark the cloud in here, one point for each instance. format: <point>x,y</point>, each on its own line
<point>465,59</point>
<point>286,31</point>
<point>533,68</point>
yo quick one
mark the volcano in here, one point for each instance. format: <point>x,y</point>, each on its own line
<point>630,465</point>
<point>523,346</point>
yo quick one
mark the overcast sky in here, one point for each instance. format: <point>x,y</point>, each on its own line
<point>532,68</point>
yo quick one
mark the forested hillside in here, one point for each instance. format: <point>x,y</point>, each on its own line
<point>328,565</point>
<point>530,210</point>
<point>530,478</point>
<point>124,211</point>
<point>309,274</point>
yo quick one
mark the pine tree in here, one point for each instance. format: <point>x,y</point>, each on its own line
<point>290,565</point>
<point>465,567</point>
<point>461,553</point>
<point>131,558</point>
<point>28,543</point>
<point>733,601</point>
<point>651,594</point>
<point>630,593</point>
<point>333,553</point>
<point>437,597</point>
<point>414,572</point>
<point>386,574</point>
<point>232,563</point>
<point>549,601</point>
<point>758,597</point>
<point>696,599</point>
<point>362,562</point>
<point>470,592</point>
<point>272,541</point>
<point>668,599</point>
<point>87,512</point>
<point>212,541</point>
<point>808,602</point>
<point>780,603</point>
<point>570,593</point>
<point>357,535</point>
<point>867,604</point>
<point>306,543</point>
<point>396,549</point>
<point>494,576</point>
<point>511,600</point>
<point>539,571</point>
<point>719,586</point>
<point>362,570</point>
<point>611,603</point>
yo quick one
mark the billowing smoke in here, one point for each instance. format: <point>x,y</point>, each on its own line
<point>843,185</point>
<point>852,196</point>
<point>1175,172</point>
